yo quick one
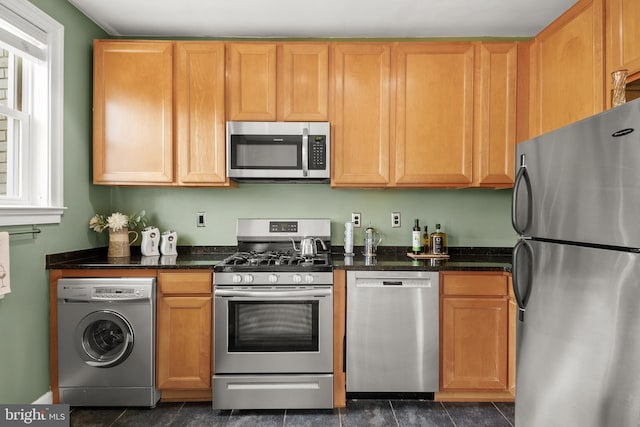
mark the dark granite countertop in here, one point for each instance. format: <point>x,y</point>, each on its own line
<point>197,257</point>
<point>206,257</point>
<point>460,259</point>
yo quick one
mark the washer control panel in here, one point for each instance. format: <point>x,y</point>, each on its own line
<point>106,289</point>
<point>118,293</point>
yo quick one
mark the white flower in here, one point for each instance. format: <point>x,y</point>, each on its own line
<point>97,223</point>
<point>117,221</point>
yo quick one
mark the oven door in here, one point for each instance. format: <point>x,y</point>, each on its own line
<point>284,329</point>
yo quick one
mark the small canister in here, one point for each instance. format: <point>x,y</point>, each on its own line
<point>168,243</point>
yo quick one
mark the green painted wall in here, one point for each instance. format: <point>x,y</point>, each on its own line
<point>24,313</point>
<point>472,217</point>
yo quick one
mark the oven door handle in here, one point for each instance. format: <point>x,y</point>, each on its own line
<point>272,294</point>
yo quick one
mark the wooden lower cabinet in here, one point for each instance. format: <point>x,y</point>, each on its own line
<point>184,364</point>
<point>477,337</point>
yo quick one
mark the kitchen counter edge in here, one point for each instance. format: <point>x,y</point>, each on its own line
<point>206,257</point>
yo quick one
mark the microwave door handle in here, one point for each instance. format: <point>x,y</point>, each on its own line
<point>305,152</point>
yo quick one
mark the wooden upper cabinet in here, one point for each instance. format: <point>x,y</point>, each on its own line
<point>623,39</point>
<point>434,114</point>
<point>251,71</point>
<point>567,68</point>
<point>132,116</point>
<point>495,115</point>
<point>303,82</point>
<point>278,81</point>
<point>200,119</point>
<point>361,114</point>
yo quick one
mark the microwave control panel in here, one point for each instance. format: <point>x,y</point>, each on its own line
<point>317,152</point>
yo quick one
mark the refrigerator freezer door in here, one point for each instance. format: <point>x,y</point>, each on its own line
<point>579,340</point>
<point>581,183</point>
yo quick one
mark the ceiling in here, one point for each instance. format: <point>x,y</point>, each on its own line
<point>323,19</point>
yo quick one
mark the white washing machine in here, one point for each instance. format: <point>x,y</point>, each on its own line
<point>106,341</point>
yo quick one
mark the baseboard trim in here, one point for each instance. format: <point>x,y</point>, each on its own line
<point>45,399</point>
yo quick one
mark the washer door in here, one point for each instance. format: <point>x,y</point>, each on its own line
<point>104,339</point>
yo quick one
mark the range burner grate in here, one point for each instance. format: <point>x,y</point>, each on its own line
<point>274,259</point>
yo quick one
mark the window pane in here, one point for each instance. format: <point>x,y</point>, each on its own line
<point>11,80</point>
<point>10,155</point>
<point>3,155</point>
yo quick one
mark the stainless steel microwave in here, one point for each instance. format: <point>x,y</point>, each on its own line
<point>278,151</point>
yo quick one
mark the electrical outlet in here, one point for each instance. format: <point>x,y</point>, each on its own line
<point>200,220</point>
<point>356,218</point>
<point>395,219</point>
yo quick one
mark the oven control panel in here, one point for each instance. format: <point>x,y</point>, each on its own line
<point>273,278</point>
<point>283,226</point>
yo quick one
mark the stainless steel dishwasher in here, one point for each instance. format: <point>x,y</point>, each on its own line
<point>392,332</point>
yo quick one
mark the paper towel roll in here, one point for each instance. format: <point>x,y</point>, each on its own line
<point>348,238</point>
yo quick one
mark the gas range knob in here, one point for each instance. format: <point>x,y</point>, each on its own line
<point>308,278</point>
<point>297,278</point>
<point>236,278</point>
<point>273,278</point>
<point>248,278</point>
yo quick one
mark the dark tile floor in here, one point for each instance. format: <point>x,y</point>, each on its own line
<point>384,413</point>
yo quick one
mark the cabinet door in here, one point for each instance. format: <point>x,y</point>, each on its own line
<point>132,117</point>
<point>495,115</point>
<point>184,342</point>
<point>361,123</point>
<point>251,81</point>
<point>623,31</point>
<point>184,330</point>
<point>434,114</point>
<point>474,343</point>
<point>200,119</point>
<point>303,82</point>
<point>567,63</point>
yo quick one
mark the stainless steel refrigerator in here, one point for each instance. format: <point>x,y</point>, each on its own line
<point>576,271</point>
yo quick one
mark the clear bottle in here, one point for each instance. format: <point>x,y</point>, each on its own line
<point>416,238</point>
<point>425,241</point>
<point>439,241</point>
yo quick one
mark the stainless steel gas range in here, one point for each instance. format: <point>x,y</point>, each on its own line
<point>273,325</point>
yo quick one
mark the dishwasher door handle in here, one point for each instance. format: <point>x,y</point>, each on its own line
<point>386,283</point>
<point>390,284</point>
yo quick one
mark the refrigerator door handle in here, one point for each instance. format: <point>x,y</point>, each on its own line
<point>522,298</point>
<point>522,175</point>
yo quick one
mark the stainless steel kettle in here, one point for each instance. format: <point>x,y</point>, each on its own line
<point>308,247</point>
<point>150,241</point>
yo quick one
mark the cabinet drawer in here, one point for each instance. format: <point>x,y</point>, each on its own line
<point>190,282</point>
<point>474,284</point>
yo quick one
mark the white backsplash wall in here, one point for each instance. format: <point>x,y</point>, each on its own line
<point>471,217</point>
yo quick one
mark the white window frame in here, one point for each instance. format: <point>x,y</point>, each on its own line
<point>42,201</point>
